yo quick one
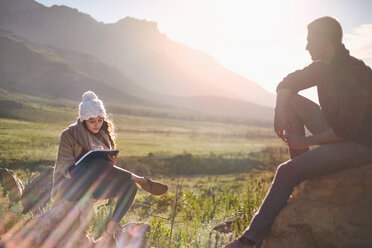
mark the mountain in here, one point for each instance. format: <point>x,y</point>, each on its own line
<point>52,72</point>
<point>210,104</point>
<point>29,69</point>
<point>135,47</point>
<point>104,72</point>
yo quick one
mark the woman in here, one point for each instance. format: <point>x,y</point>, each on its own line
<point>76,188</point>
<point>99,178</point>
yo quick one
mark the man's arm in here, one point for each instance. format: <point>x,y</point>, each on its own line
<point>281,121</point>
<point>326,137</point>
<point>292,84</point>
<point>302,79</point>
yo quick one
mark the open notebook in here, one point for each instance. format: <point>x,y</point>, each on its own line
<point>100,153</point>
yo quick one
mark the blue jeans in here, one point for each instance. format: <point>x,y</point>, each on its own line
<point>103,181</point>
<point>315,162</point>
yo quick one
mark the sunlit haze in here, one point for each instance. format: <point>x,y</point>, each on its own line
<point>261,40</point>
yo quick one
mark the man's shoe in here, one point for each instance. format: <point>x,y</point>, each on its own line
<point>153,187</point>
<point>238,244</point>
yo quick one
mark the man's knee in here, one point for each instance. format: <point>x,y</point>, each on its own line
<point>285,173</point>
<point>290,173</point>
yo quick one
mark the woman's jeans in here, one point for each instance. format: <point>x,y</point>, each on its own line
<point>102,180</point>
<point>304,164</point>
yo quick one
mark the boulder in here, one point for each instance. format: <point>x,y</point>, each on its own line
<point>334,210</point>
<point>12,185</point>
<point>38,192</point>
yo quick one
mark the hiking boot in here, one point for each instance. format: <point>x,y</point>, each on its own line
<point>153,187</point>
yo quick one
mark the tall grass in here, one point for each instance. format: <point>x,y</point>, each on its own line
<point>185,217</point>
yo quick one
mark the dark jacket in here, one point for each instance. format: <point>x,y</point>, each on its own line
<point>345,94</point>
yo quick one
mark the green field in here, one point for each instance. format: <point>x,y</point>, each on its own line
<point>201,204</point>
<point>186,215</point>
<point>30,142</point>
<point>214,169</point>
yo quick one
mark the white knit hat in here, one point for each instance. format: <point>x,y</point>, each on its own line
<point>91,107</point>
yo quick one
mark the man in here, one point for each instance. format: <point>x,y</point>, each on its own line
<point>341,126</point>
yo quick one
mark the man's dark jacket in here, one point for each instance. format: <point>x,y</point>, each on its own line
<point>345,94</point>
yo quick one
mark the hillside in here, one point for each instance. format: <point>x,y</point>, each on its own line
<point>53,72</point>
<point>135,47</point>
<point>31,70</point>
<point>104,72</point>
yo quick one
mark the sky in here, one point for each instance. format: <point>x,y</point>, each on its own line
<point>261,40</point>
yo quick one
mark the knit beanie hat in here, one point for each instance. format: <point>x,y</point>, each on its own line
<point>91,107</point>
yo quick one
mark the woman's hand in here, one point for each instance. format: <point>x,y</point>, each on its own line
<point>113,158</point>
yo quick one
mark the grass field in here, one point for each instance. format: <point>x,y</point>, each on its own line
<point>186,215</point>
<point>195,206</point>
<point>30,142</point>
<point>214,170</point>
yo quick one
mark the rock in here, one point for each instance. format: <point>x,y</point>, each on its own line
<point>225,226</point>
<point>64,225</point>
<point>11,183</point>
<point>38,192</point>
<point>133,235</point>
<point>334,210</point>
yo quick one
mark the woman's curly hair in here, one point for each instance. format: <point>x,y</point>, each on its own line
<point>108,127</point>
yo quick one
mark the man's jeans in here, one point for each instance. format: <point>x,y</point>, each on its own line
<point>315,162</point>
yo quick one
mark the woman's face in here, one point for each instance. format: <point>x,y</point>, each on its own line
<point>94,124</point>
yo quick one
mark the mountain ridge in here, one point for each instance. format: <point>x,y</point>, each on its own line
<point>134,47</point>
<point>27,69</point>
<point>47,71</point>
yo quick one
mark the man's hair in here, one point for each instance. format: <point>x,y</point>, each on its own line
<point>328,27</point>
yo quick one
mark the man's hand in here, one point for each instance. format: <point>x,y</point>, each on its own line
<point>297,142</point>
<point>113,158</point>
<point>281,124</point>
<point>281,120</point>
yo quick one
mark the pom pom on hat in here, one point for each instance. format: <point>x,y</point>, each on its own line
<point>91,107</point>
<point>89,96</point>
